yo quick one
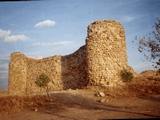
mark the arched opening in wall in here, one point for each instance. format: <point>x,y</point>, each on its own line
<point>4,73</point>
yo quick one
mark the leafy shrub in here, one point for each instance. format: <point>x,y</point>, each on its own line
<point>126,75</point>
<point>42,82</point>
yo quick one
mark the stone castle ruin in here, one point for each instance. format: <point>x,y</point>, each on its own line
<point>99,62</point>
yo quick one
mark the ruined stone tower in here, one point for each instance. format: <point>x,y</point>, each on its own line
<point>99,62</point>
<point>106,52</point>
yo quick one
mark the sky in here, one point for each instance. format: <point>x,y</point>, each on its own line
<point>59,27</point>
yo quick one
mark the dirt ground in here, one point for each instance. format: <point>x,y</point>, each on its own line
<point>84,105</point>
<point>141,99</point>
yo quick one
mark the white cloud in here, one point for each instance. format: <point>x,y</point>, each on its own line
<point>127,18</point>
<point>52,44</point>
<point>3,68</point>
<point>38,57</point>
<point>7,36</point>
<point>4,33</point>
<point>3,63</point>
<point>15,38</point>
<point>45,24</point>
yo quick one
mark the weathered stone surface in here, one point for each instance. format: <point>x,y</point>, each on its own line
<point>64,72</point>
<point>106,53</point>
<point>99,62</point>
<point>17,74</point>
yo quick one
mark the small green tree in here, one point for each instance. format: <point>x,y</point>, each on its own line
<point>42,82</point>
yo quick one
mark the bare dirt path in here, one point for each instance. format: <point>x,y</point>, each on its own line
<point>84,105</point>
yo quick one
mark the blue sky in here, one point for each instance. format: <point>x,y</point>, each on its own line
<point>49,27</point>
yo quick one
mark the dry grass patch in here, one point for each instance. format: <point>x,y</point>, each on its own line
<point>10,104</point>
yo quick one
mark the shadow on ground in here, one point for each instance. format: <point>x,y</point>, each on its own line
<point>63,102</point>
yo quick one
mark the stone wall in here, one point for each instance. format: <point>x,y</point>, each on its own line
<point>64,72</point>
<point>73,69</point>
<point>99,62</point>
<point>17,74</point>
<point>50,66</point>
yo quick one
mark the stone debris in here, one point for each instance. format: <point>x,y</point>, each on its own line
<point>103,100</point>
<point>36,109</point>
<point>101,94</point>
